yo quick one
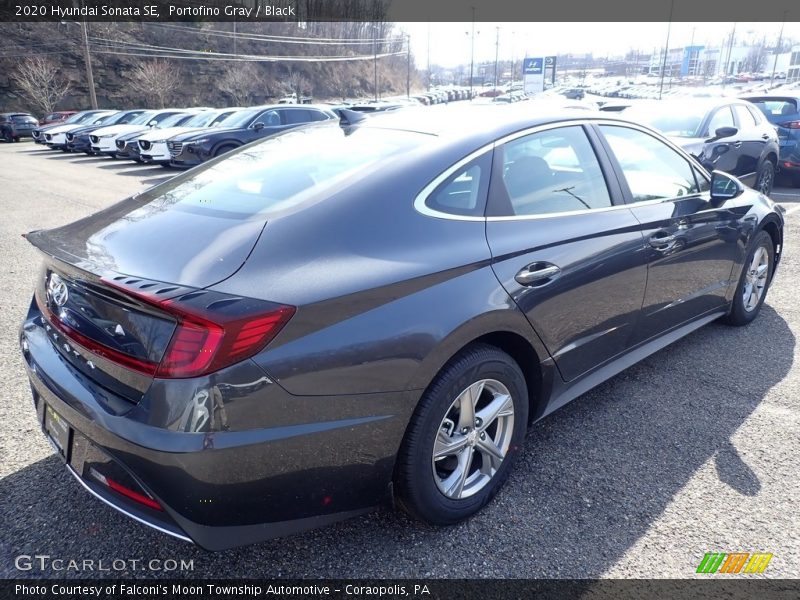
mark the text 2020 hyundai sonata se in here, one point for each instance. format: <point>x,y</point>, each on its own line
<point>336,318</point>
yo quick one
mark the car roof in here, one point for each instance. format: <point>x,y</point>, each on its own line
<point>489,121</point>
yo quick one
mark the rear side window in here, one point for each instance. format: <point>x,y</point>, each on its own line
<point>318,115</point>
<point>548,172</point>
<point>296,115</point>
<point>464,192</point>
<point>652,169</point>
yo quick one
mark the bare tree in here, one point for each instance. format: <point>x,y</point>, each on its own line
<point>156,79</point>
<point>297,83</point>
<point>239,82</point>
<point>40,82</point>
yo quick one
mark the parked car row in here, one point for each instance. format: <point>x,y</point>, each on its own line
<point>176,137</point>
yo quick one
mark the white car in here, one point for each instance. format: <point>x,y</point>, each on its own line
<point>56,138</point>
<point>153,144</point>
<point>104,139</point>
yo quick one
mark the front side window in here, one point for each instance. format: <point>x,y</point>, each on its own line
<point>721,118</point>
<point>652,169</point>
<point>270,118</point>
<point>549,172</point>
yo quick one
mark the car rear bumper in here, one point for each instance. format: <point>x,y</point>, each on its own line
<point>227,486</point>
<point>789,158</point>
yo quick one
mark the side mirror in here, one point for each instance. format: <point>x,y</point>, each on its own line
<point>724,186</point>
<point>152,123</point>
<point>259,126</point>
<point>724,132</point>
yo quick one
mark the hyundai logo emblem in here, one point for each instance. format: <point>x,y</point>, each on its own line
<point>57,290</point>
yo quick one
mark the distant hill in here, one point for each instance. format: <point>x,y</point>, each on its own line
<point>115,46</point>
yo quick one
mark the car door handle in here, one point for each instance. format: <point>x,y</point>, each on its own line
<point>737,144</point>
<point>764,136</point>
<point>537,273</point>
<point>662,242</point>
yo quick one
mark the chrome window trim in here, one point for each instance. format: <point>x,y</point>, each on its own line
<point>420,200</point>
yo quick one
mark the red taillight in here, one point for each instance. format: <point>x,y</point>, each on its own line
<point>201,346</point>
<point>203,342</point>
<point>790,124</point>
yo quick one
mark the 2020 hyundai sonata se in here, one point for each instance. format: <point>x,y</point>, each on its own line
<point>339,317</point>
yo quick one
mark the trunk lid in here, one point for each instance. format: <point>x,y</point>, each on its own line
<point>156,236</point>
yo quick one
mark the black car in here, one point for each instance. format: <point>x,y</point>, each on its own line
<point>727,134</point>
<point>783,111</point>
<point>78,139</point>
<point>243,127</point>
<point>360,315</point>
<point>15,126</point>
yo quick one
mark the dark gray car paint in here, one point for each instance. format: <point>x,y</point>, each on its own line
<point>307,430</point>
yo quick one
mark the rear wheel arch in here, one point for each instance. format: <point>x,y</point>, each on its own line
<point>526,350</point>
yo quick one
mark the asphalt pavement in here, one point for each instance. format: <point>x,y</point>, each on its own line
<point>693,450</point>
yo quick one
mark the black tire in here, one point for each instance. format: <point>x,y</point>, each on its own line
<point>112,155</point>
<point>739,314</point>
<point>8,137</point>
<point>765,177</point>
<point>415,479</point>
<point>166,165</point>
<point>224,149</point>
<point>16,139</point>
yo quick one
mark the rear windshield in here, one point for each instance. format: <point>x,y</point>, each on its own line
<point>283,171</point>
<point>775,108</point>
<point>22,118</point>
<point>677,119</point>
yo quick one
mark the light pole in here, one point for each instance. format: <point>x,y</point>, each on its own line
<point>87,61</point>
<point>375,49</point>
<point>666,50</point>
<point>408,66</point>
<point>777,50</point>
<point>429,57</point>
<point>472,54</point>
<point>496,54</point>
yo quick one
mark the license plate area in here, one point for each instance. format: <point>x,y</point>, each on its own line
<point>58,431</point>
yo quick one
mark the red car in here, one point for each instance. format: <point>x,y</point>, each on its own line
<point>57,117</point>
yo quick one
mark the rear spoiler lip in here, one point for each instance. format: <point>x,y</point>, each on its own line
<point>80,267</point>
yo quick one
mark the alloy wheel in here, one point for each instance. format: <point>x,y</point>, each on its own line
<point>473,439</point>
<point>765,182</point>
<point>755,279</point>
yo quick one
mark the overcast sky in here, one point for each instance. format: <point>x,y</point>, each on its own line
<point>450,42</point>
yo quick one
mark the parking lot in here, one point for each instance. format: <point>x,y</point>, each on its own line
<point>693,450</point>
